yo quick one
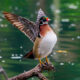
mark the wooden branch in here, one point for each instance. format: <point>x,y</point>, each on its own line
<point>34,72</point>
<point>4,73</point>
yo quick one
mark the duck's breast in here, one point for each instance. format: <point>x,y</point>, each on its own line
<point>47,43</point>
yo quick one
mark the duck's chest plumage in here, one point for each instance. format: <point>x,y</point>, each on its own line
<point>47,42</point>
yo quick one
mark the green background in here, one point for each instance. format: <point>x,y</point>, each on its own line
<point>15,43</point>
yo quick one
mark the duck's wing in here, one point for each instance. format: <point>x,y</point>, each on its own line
<point>29,28</point>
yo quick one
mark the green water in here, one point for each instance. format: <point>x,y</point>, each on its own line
<point>15,43</point>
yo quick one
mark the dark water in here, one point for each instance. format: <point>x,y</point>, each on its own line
<point>14,44</point>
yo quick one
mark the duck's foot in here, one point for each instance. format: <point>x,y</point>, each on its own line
<point>47,62</point>
<point>41,63</point>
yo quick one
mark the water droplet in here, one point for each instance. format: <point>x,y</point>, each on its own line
<point>69,62</point>
<point>65,20</point>
<point>51,55</point>
<point>54,53</point>
<point>21,47</point>
<point>72,6</point>
<point>2,25</point>
<point>12,55</point>
<point>61,64</point>
<point>72,64</point>
<point>21,55</point>
<point>78,37</point>
<point>0,19</point>
<point>72,38</point>
<point>0,57</point>
<point>57,11</point>
<point>73,25</point>
<point>3,61</point>
<point>32,78</point>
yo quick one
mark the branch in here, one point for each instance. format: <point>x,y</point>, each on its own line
<point>4,73</point>
<point>34,72</point>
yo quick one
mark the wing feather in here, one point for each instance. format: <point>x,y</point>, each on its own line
<point>30,29</point>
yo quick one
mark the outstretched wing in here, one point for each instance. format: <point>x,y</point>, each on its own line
<point>29,28</point>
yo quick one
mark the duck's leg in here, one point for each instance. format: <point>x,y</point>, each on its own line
<point>41,63</point>
<point>47,60</point>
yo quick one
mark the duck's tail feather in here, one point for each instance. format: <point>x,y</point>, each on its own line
<point>29,55</point>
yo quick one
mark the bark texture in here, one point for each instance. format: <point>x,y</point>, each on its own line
<point>36,71</point>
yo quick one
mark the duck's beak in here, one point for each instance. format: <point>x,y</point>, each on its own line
<point>48,19</point>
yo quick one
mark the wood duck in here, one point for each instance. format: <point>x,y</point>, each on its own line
<point>40,33</point>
